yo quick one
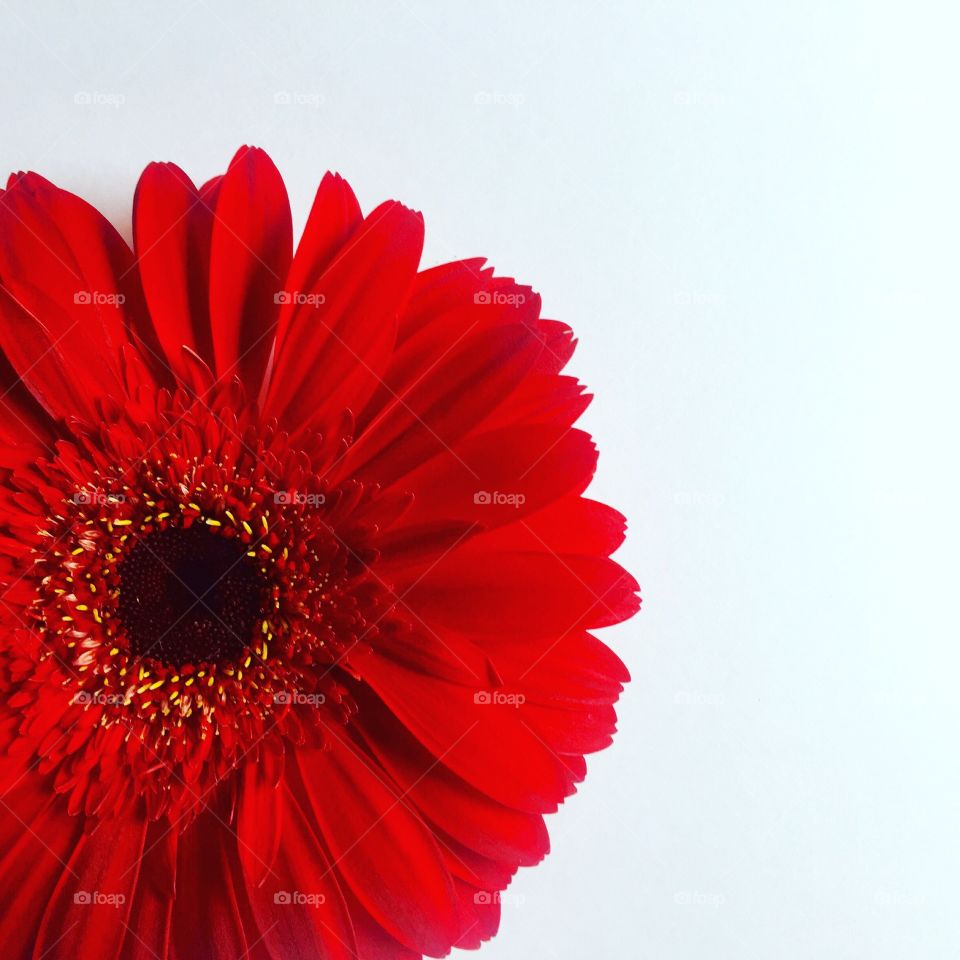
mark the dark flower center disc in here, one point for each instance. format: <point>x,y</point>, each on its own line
<point>189,595</point>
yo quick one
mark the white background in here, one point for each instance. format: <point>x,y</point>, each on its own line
<point>749,213</point>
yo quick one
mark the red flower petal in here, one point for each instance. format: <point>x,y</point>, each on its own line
<point>250,253</point>
<point>36,840</point>
<point>172,226</point>
<point>260,816</point>
<point>104,865</point>
<point>334,217</point>
<point>151,913</point>
<point>454,806</point>
<point>447,719</point>
<point>41,365</point>
<point>571,525</point>
<point>301,929</point>
<point>383,851</point>
<point>207,915</point>
<point>528,466</point>
<point>344,321</point>
<point>65,265</point>
<point>537,594</point>
<point>446,401</point>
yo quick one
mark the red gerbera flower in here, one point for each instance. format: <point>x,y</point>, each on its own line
<point>297,578</point>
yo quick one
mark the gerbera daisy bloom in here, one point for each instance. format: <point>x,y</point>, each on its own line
<point>297,578</point>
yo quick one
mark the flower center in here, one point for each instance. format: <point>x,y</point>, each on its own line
<point>188,595</point>
<point>196,607</point>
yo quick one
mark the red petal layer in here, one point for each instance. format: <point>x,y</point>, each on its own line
<point>343,323</point>
<point>172,225</point>
<point>380,847</point>
<point>477,591</point>
<point>250,252</point>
